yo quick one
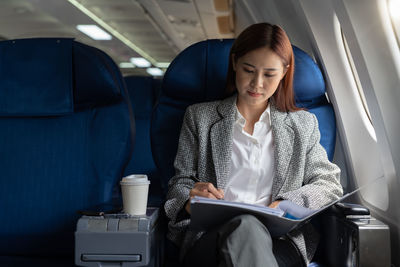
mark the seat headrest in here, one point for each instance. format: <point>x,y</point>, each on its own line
<point>142,94</point>
<point>202,81</point>
<point>308,82</point>
<point>205,80</point>
<point>54,76</point>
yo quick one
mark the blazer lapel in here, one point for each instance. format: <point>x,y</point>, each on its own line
<point>221,140</point>
<point>283,140</point>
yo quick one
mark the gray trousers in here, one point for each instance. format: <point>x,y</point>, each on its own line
<point>241,242</point>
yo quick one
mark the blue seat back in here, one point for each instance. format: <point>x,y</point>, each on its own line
<point>143,92</point>
<point>66,136</point>
<point>309,88</point>
<point>198,74</point>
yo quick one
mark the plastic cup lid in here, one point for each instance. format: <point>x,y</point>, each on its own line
<point>135,179</point>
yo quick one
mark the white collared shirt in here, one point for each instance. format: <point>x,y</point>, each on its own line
<point>252,162</point>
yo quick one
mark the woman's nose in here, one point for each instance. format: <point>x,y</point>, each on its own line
<point>257,80</point>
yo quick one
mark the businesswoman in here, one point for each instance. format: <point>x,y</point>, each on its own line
<point>256,147</point>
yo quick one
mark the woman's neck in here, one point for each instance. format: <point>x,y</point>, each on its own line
<point>251,113</point>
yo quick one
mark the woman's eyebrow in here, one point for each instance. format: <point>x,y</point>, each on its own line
<point>267,69</point>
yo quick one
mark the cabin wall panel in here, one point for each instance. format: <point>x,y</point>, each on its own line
<point>368,157</point>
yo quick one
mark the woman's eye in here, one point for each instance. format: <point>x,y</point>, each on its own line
<point>248,70</point>
<point>269,75</point>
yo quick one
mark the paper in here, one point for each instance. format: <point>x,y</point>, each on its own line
<point>209,213</point>
<point>246,206</point>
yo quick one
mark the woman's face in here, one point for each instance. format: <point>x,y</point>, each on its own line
<point>258,74</point>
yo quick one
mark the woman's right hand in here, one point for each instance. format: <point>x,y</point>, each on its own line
<point>207,190</point>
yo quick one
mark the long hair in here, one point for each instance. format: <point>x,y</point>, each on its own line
<point>275,38</point>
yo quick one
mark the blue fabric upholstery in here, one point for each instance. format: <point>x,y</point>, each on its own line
<point>197,74</point>
<point>70,74</point>
<point>54,165</point>
<point>309,88</point>
<point>39,98</point>
<point>143,92</point>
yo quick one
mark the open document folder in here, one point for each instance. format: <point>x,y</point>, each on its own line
<point>208,213</point>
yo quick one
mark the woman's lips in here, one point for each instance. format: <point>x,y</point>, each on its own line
<point>254,94</point>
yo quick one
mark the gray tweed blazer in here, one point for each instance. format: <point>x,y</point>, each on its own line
<point>303,173</point>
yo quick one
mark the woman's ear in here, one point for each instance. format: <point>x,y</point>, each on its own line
<point>285,69</point>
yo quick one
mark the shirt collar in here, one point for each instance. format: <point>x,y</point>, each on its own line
<point>265,116</point>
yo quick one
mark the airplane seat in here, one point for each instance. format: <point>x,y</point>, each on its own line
<point>185,83</point>
<point>143,92</point>
<point>198,74</point>
<point>309,90</point>
<point>193,77</point>
<point>67,135</point>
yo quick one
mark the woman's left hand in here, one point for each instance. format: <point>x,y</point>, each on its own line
<point>274,204</point>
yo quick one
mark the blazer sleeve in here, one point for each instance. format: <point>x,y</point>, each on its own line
<point>185,167</point>
<point>321,182</point>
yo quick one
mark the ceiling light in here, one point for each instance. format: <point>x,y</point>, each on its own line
<point>140,62</point>
<point>163,65</point>
<point>126,65</point>
<point>111,30</point>
<point>155,71</point>
<point>94,32</point>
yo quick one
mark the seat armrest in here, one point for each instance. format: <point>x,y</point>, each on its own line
<point>119,240</point>
<point>350,236</point>
<point>348,209</point>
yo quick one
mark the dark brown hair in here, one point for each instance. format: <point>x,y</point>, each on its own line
<point>275,38</point>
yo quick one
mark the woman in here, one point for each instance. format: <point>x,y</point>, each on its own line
<point>257,147</point>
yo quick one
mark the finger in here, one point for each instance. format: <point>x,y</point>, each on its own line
<point>198,187</point>
<point>202,189</point>
<point>202,193</point>
<point>210,195</point>
<point>221,191</point>
<point>198,191</point>
<point>201,186</point>
<point>187,206</point>
<point>211,188</point>
<point>274,204</point>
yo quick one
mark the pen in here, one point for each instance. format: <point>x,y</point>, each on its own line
<point>195,179</point>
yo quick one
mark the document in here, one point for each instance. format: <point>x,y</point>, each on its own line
<point>208,213</point>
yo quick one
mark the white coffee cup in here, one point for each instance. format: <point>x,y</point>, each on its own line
<point>134,189</point>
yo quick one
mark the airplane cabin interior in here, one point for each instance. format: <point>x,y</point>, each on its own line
<point>92,91</point>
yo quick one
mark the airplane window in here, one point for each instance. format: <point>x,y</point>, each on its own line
<point>394,10</point>
<point>356,78</point>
